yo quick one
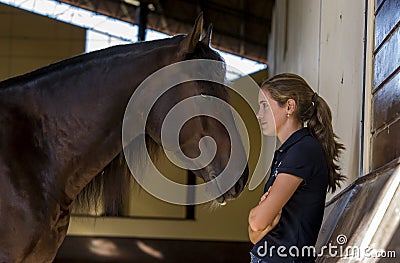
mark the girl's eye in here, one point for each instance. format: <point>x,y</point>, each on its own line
<point>265,105</point>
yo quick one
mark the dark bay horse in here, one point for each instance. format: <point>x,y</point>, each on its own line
<point>60,129</point>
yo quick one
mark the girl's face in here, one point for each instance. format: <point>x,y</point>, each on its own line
<point>271,115</point>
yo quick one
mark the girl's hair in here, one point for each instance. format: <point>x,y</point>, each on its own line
<point>313,111</point>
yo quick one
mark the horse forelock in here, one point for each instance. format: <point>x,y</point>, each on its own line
<point>203,51</point>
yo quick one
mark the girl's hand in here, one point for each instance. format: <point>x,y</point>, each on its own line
<point>256,236</point>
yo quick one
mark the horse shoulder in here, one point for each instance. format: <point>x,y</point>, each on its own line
<point>32,228</point>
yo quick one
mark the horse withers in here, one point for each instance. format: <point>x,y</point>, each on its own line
<point>61,128</point>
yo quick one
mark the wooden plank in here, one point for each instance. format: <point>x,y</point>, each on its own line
<point>386,19</point>
<point>387,60</point>
<point>386,145</point>
<point>348,213</point>
<point>386,105</point>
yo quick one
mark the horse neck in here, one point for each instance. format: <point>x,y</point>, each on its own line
<point>79,113</point>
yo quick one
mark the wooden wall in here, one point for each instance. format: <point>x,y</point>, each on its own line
<point>385,126</point>
<point>78,249</point>
<point>323,41</point>
<point>29,41</point>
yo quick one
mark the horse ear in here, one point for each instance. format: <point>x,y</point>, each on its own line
<point>189,43</point>
<point>207,38</point>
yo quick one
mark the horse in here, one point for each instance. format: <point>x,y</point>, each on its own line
<point>61,131</point>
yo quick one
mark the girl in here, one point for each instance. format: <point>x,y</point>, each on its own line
<point>284,225</point>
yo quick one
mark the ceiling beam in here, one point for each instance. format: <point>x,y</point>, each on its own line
<point>223,39</point>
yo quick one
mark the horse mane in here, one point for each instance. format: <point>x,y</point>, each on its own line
<point>108,188</point>
<point>105,191</point>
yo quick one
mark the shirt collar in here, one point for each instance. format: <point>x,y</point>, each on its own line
<point>295,137</point>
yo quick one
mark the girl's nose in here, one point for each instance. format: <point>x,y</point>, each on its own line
<point>259,115</point>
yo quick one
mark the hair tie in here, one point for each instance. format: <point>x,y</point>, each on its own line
<point>314,98</point>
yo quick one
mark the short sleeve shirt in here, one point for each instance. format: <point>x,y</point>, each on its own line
<point>300,155</point>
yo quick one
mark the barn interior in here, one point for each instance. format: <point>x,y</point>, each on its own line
<point>348,51</point>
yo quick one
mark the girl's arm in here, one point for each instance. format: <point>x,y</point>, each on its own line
<point>265,216</point>
<point>256,236</point>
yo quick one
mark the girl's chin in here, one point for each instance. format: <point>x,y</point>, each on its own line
<point>268,133</point>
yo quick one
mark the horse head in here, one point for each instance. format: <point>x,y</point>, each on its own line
<point>204,127</point>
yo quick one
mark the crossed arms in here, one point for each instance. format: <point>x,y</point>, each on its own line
<point>265,216</point>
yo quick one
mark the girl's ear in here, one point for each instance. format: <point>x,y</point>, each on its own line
<point>291,105</point>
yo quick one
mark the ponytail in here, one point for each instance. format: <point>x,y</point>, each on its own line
<point>320,126</point>
<point>313,111</point>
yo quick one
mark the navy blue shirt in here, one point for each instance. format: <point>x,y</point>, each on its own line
<point>301,155</point>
